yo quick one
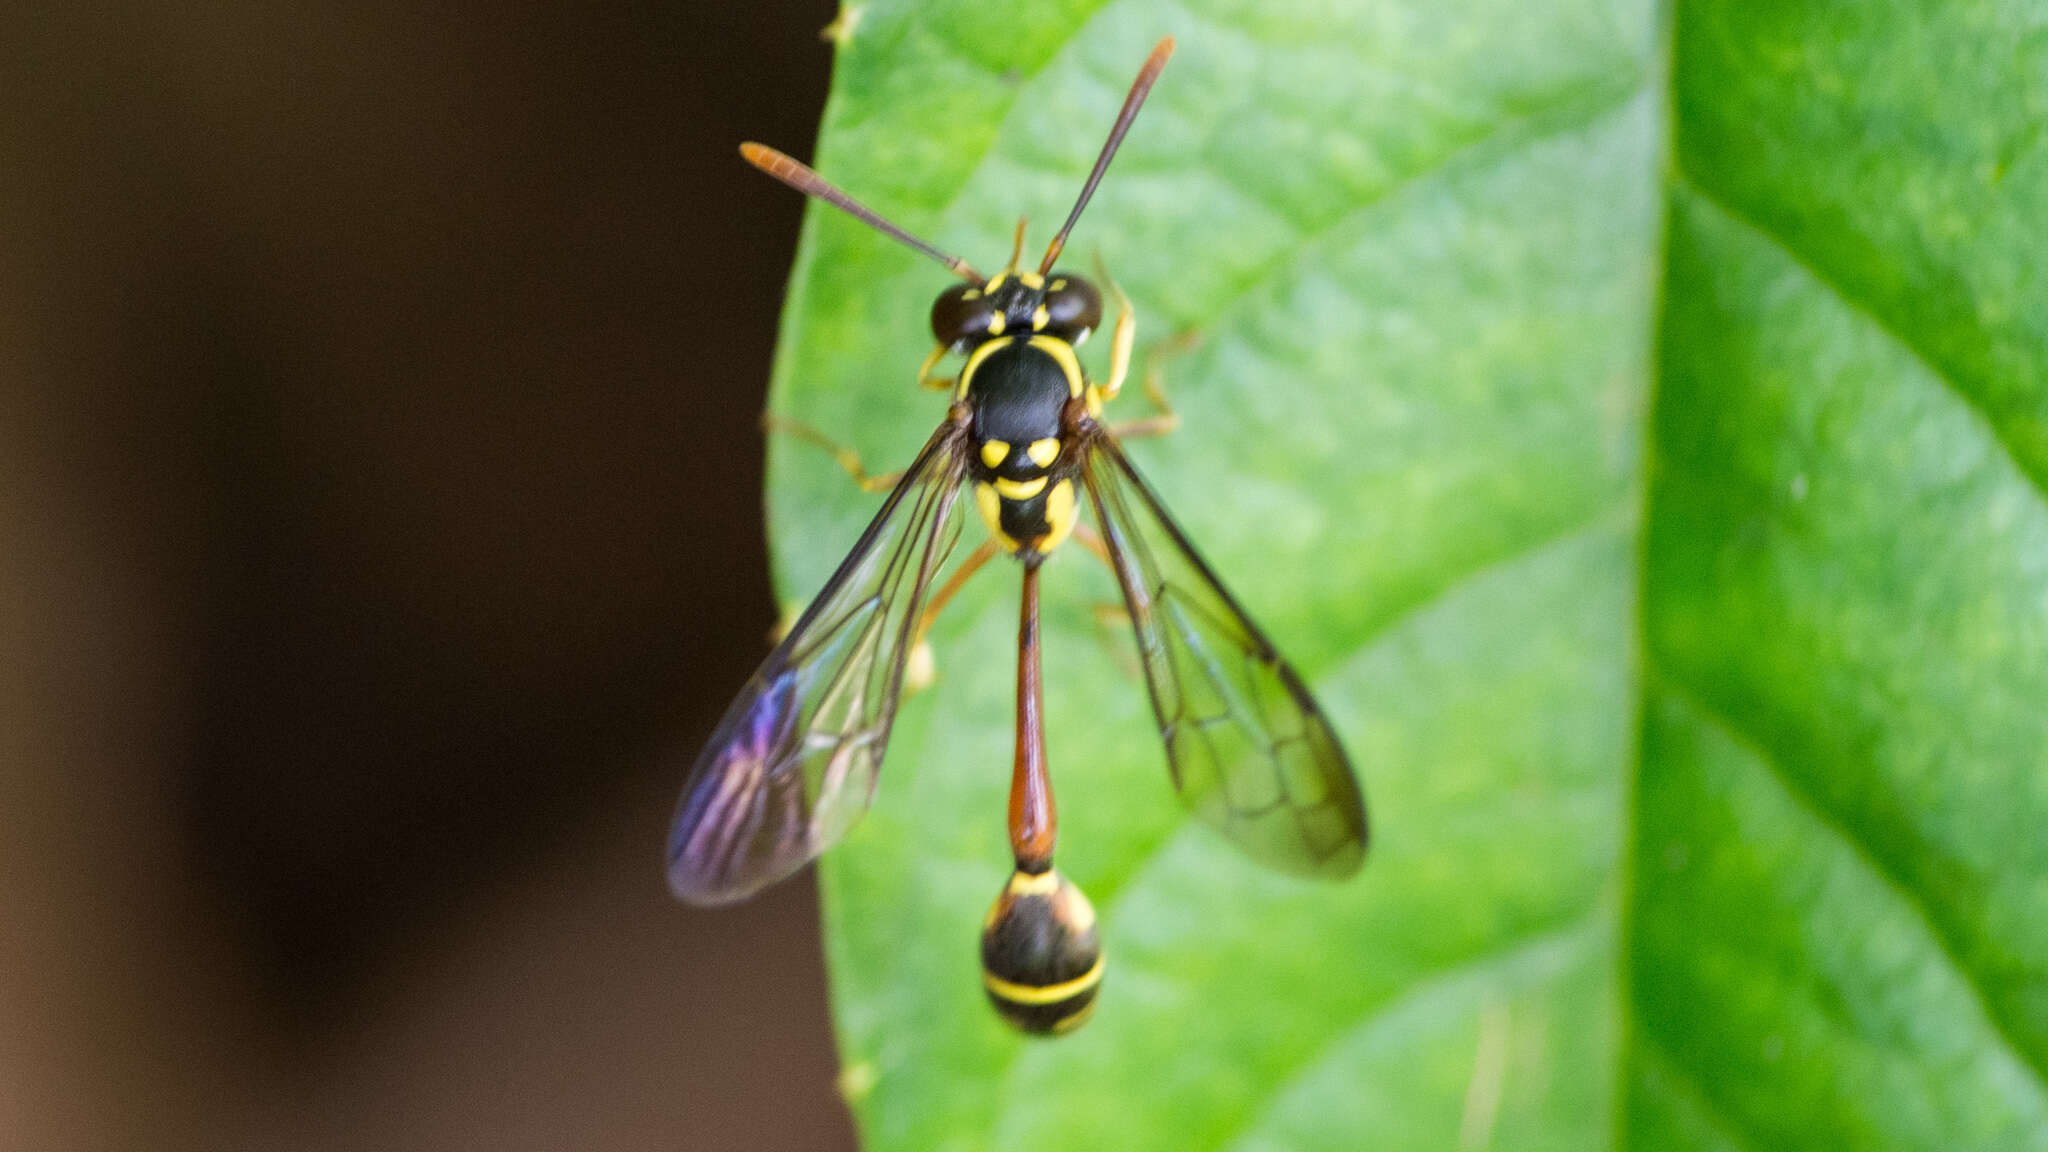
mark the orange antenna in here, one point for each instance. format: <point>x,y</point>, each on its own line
<point>801,177</point>
<point>1139,89</point>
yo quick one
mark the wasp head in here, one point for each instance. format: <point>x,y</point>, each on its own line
<point>1061,305</point>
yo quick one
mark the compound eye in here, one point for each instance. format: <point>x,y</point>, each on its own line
<point>1072,305</point>
<point>960,315</point>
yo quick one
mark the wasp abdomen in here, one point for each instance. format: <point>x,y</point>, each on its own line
<point>1041,960</point>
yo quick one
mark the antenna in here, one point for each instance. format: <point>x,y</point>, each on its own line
<point>802,178</point>
<point>1139,88</point>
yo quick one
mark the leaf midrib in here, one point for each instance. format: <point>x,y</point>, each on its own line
<point>1676,178</point>
<point>1866,311</point>
<point>1662,84</point>
<point>1859,848</point>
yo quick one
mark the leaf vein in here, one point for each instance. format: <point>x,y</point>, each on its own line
<point>1569,110</point>
<point>1851,839</point>
<point>1690,1088</point>
<point>1546,949</point>
<point>2037,482</point>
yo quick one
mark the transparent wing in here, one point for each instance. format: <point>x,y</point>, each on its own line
<point>792,765</point>
<point>1248,748</point>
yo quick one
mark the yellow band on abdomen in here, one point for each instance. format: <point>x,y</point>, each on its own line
<point>1050,994</point>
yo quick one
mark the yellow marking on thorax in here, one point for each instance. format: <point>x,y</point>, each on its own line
<point>1040,318</point>
<point>1062,354</point>
<point>1019,489</point>
<point>994,452</point>
<point>1031,279</point>
<point>1042,452</point>
<point>996,323</point>
<point>974,360</point>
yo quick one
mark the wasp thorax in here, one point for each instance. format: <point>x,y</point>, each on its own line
<point>1040,957</point>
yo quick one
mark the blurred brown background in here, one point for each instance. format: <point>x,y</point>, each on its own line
<point>379,533</point>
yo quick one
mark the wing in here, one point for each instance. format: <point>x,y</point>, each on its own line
<point>792,765</point>
<point>1248,748</point>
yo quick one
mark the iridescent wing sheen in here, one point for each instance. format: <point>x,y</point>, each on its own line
<point>793,763</point>
<point>1248,748</point>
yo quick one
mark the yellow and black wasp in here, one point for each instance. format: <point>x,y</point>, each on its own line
<point>794,761</point>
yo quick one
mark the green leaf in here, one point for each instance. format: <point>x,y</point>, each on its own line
<point>1634,423</point>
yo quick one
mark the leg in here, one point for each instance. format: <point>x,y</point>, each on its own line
<point>1112,620</point>
<point>846,457</point>
<point>1092,540</point>
<point>1121,338</point>
<point>925,379</point>
<point>920,673</point>
<point>1166,419</point>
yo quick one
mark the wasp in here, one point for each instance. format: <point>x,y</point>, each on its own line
<point>794,761</point>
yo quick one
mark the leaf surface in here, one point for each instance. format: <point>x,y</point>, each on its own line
<point>1633,422</point>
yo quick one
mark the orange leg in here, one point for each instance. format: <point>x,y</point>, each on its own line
<point>1112,619</point>
<point>926,380</point>
<point>846,457</point>
<point>1122,338</point>
<point>1166,420</point>
<point>920,673</point>
<point>1092,540</point>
